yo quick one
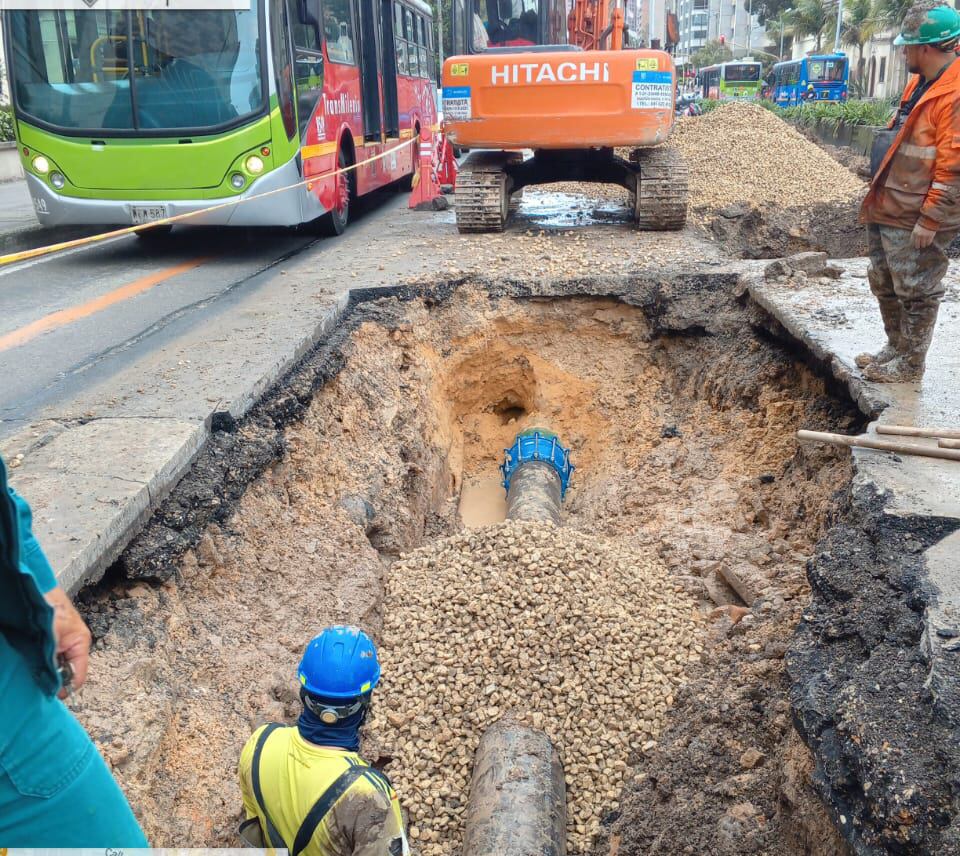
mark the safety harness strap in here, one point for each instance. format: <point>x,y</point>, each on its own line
<point>323,805</point>
<point>273,836</point>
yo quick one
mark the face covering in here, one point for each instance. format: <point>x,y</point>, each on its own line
<point>344,735</point>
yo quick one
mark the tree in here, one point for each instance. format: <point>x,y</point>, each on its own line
<point>890,13</point>
<point>777,27</point>
<point>859,26</point>
<point>710,54</point>
<point>771,10</point>
<point>813,18</point>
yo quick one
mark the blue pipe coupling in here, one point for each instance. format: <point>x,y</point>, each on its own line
<point>535,444</point>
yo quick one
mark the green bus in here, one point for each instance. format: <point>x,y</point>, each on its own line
<point>129,116</point>
<point>730,80</point>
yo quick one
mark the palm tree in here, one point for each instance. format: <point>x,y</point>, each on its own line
<point>890,13</point>
<point>813,18</point>
<point>859,26</point>
<point>779,32</point>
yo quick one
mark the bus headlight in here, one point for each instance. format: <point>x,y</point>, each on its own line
<point>57,180</point>
<point>41,165</point>
<point>253,165</point>
<point>237,181</point>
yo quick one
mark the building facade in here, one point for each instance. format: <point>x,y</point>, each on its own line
<point>703,21</point>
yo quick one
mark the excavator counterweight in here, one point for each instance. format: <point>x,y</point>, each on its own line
<point>572,102</point>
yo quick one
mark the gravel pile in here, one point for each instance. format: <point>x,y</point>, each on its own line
<point>559,630</point>
<point>743,153</point>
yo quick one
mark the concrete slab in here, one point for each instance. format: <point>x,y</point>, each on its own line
<point>93,485</point>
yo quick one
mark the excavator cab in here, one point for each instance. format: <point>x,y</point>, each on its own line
<point>525,75</point>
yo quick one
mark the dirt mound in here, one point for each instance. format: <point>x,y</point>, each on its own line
<point>742,152</point>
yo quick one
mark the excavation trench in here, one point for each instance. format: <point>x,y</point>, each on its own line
<point>680,563</point>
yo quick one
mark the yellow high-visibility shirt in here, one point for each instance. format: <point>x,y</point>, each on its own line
<point>294,774</point>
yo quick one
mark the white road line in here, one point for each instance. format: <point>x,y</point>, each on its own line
<point>61,254</point>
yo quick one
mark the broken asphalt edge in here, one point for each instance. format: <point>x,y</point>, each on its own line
<point>875,662</point>
<point>94,484</point>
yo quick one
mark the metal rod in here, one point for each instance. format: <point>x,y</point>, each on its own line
<point>910,431</point>
<point>864,441</point>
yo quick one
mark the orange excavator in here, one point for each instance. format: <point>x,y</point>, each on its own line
<point>528,75</point>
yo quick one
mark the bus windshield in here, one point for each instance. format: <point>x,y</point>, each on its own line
<point>827,70</point>
<point>742,72</point>
<point>157,70</point>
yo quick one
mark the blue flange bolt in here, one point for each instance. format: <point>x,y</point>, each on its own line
<point>536,472</point>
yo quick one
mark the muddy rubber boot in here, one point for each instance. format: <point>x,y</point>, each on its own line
<point>891,313</point>
<point>916,331</point>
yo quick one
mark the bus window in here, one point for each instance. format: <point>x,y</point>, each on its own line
<point>282,65</point>
<point>338,30</point>
<point>422,42</point>
<point>745,72</point>
<point>459,28</point>
<point>410,30</point>
<point>398,37</point>
<point>304,18</point>
<point>81,82</point>
<point>431,52</point>
<point>827,71</point>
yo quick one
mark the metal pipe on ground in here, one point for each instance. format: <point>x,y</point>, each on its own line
<point>864,441</point>
<point>517,802</point>
<point>536,472</point>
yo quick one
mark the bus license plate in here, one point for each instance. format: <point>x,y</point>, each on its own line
<point>147,213</point>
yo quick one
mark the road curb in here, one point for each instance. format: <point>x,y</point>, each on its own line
<point>93,484</point>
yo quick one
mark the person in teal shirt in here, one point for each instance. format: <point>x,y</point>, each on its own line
<point>55,789</point>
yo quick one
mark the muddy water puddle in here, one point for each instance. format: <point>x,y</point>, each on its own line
<point>482,502</point>
<point>685,458</point>
<point>555,209</point>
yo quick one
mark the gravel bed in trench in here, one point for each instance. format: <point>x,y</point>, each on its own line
<point>575,635</point>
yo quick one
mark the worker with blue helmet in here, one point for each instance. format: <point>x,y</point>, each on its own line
<point>304,787</point>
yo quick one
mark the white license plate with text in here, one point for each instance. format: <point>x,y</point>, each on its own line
<point>147,213</point>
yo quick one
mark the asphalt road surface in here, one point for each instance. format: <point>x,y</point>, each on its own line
<point>73,318</point>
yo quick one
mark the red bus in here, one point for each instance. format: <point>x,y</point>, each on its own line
<point>131,116</point>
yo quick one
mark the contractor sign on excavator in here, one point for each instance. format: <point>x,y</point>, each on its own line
<point>527,76</point>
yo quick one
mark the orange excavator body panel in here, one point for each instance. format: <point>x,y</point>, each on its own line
<point>564,99</point>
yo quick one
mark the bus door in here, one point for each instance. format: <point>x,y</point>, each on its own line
<point>391,107</point>
<point>305,17</point>
<point>370,70</point>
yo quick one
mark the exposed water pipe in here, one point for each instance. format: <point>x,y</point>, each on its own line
<point>517,804</point>
<point>536,472</point>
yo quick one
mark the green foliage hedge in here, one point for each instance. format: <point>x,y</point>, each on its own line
<point>834,114</point>
<point>6,126</point>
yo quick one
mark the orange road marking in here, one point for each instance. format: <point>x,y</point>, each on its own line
<point>63,317</point>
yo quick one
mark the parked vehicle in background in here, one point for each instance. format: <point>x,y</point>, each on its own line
<point>730,80</point>
<point>126,117</point>
<point>822,77</point>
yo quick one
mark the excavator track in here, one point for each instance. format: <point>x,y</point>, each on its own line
<point>482,194</point>
<point>662,189</point>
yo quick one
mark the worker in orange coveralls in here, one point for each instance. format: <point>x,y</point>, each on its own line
<point>912,209</point>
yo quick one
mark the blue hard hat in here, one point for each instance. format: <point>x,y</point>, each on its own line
<point>339,663</point>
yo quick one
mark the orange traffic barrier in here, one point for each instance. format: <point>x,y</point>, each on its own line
<point>427,192</point>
